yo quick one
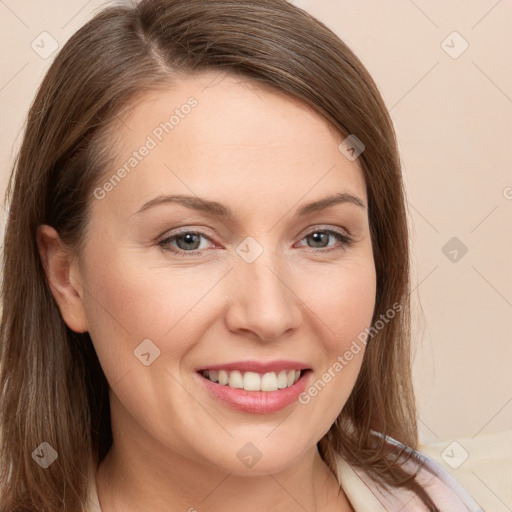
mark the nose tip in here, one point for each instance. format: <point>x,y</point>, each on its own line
<point>264,303</point>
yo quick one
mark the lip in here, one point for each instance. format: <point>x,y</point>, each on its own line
<point>256,402</point>
<point>258,366</point>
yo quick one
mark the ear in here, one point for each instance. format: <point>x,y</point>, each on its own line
<point>63,277</point>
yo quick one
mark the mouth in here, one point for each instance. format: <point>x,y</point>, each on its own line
<point>256,388</point>
<point>254,381</point>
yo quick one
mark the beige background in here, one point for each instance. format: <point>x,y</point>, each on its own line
<point>454,124</point>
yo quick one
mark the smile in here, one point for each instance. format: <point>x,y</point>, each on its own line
<point>255,387</point>
<point>252,381</point>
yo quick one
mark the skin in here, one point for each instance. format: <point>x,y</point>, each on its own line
<point>263,154</point>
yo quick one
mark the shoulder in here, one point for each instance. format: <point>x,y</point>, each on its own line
<point>366,495</point>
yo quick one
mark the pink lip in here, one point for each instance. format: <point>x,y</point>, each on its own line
<point>258,366</point>
<point>256,402</point>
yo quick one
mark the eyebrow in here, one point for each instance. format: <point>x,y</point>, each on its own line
<point>219,210</point>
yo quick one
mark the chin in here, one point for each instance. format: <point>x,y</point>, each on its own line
<point>258,458</point>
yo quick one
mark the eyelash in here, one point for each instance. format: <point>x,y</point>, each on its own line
<point>344,240</point>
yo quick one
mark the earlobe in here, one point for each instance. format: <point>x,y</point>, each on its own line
<point>63,277</point>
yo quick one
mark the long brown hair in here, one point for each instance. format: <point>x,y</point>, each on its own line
<point>52,386</point>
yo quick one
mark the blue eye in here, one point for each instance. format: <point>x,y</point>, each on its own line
<point>189,242</point>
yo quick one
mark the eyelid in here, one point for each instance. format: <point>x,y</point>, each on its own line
<point>326,227</point>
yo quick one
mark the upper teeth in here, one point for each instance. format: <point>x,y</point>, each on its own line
<point>251,381</point>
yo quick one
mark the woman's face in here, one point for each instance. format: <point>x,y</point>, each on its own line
<point>257,282</point>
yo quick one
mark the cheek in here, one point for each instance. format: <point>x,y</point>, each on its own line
<point>344,303</point>
<point>128,301</point>
<point>344,300</point>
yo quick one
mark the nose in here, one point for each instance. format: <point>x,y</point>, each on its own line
<point>263,300</point>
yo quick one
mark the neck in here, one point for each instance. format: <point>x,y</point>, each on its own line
<point>130,482</point>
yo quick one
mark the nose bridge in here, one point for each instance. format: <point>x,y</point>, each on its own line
<point>265,302</point>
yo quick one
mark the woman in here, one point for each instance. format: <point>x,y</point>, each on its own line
<point>205,297</point>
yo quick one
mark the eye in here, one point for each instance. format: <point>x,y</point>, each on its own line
<point>189,242</point>
<point>319,237</point>
<point>186,241</point>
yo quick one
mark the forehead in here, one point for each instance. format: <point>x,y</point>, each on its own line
<point>226,138</point>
